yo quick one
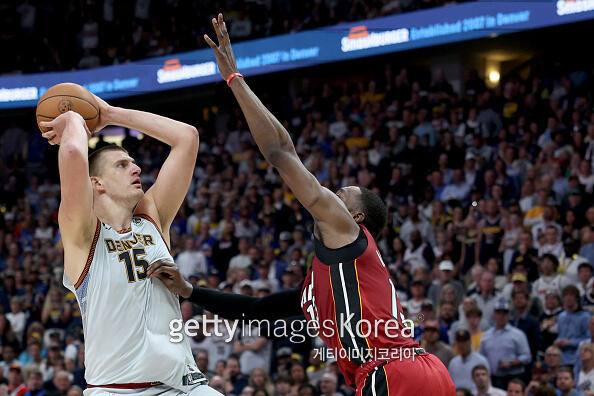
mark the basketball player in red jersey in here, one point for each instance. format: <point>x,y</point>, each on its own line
<point>348,293</point>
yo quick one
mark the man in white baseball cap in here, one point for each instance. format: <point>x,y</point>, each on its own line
<point>446,276</point>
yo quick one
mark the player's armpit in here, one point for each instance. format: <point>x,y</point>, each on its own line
<point>171,186</point>
<point>331,215</point>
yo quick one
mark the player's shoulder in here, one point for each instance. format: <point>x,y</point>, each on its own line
<point>346,253</point>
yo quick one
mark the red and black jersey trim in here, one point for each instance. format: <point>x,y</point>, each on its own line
<point>348,310</point>
<point>376,382</point>
<point>341,255</point>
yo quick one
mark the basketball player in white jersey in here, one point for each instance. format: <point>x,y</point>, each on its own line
<point>112,230</point>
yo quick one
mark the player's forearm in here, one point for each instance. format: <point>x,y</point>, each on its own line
<point>174,133</point>
<point>269,134</point>
<point>74,142</point>
<point>279,305</point>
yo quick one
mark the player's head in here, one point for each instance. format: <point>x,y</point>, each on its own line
<point>114,173</point>
<point>366,207</point>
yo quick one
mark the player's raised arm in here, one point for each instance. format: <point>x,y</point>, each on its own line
<point>75,217</point>
<point>333,219</point>
<point>164,198</point>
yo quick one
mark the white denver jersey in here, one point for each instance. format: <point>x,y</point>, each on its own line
<point>126,315</point>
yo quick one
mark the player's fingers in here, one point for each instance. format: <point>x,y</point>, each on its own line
<point>168,268</point>
<point>47,123</point>
<point>49,134</point>
<point>210,43</point>
<point>217,28</point>
<point>155,266</point>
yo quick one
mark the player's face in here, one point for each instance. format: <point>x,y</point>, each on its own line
<point>350,196</point>
<point>120,177</point>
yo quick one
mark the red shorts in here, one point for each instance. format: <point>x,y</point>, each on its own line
<point>425,375</point>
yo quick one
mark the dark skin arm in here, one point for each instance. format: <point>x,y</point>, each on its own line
<point>335,224</point>
<point>281,305</point>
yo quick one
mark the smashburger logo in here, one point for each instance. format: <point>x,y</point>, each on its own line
<point>173,70</point>
<point>360,38</point>
<point>566,7</point>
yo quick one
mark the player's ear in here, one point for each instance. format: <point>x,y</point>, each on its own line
<point>97,184</point>
<point>359,217</point>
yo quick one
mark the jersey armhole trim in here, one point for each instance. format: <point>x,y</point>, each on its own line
<point>85,271</point>
<point>346,253</point>
<point>149,218</point>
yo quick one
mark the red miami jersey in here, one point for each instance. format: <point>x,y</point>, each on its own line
<point>351,299</point>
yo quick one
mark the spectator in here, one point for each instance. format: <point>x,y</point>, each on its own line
<point>566,383</point>
<point>505,347</point>
<point>218,384</point>
<point>297,373</point>
<point>480,377</point>
<point>522,320</point>
<point>551,243</point>
<point>328,385</point>
<point>17,318</point>
<point>60,384</point>
<point>486,297</point>
<point>414,222</point>
<point>201,359</point>
<point>585,279</point>
<point>316,368</point>
<point>573,325</point>
<point>75,391</point>
<point>549,318</point>
<point>446,277</point>
<point>191,261</point>
<point>585,383</point>
<point>433,345</point>
<point>242,260</point>
<point>16,387</point>
<point>34,382</point>
<point>515,388</point>
<point>233,375</point>
<point>549,280</point>
<point>282,385</point>
<point>461,365</point>
<point>259,379</point>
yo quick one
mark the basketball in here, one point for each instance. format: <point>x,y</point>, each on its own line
<point>65,97</point>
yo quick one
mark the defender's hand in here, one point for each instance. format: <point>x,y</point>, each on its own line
<point>223,52</point>
<point>58,124</point>
<point>169,273</point>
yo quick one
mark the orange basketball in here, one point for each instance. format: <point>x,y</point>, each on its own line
<point>64,97</point>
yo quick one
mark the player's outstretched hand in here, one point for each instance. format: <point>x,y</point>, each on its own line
<point>169,273</point>
<point>223,51</point>
<point>58,124</point>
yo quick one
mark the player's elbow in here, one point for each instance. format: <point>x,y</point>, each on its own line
<point>71,152</point>
<point>192,137</point>
<point>189,140</point>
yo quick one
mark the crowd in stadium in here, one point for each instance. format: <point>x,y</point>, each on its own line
<point>490,234</point>
<point>41,36</point>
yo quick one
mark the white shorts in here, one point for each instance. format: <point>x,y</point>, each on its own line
<point>161,390</point>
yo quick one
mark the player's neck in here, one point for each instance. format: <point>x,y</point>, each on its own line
<point>117,216</point>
